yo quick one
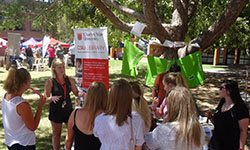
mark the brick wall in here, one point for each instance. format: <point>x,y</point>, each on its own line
<point>27,33</point>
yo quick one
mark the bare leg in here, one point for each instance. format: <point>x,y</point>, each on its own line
<point>56,129</point>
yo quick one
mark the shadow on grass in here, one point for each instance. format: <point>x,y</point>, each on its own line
<point>43,139</point>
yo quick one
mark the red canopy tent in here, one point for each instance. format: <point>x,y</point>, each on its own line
<point>54,42</point>
<point>3,42</point>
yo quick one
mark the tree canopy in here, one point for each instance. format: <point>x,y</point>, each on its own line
<point>172,19</point>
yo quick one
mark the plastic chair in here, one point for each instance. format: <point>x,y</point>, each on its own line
<point>44,63</point>
<point>37,64</point>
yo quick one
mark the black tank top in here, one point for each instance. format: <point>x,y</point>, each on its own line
<point>84,141</point>
<point>57,90</point>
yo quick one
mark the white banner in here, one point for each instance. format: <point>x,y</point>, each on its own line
<point>91,43</point>
<point>14,44</point>
<point>46,40</point>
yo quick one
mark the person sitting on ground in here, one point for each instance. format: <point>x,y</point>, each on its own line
<point>117,126</point>
<point>81,121</point>
<point>140,105</point>
<point>180,129</point>
<point>230,119</point>
<point>18,120</point>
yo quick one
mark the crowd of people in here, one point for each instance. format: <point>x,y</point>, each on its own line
<point>30,53</point>
<point>120,118</point>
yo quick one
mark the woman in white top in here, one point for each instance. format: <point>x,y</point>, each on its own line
<point>18,120</point>
<point>180,129</point>
<point>140,105</point>
<point>113,128</point>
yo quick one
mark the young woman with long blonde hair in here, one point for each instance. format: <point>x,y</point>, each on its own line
<point>180,129</point>
<point>140,105</point>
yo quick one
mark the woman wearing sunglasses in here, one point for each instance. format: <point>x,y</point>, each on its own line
<point>230,119</point>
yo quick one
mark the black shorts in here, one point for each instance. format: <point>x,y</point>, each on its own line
<point>59,116</point>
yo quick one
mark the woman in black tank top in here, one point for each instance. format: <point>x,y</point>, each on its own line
<point>57,92</point>
<point>83,140</point>
<point>81,121</point>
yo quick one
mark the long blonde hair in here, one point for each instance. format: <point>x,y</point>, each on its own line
<point>181,109</point>
<point>120,101</point>
<point>55,62</point>
<point>15,79</point>
<point>96,99</point>
<point>140,104</point>
<point>176,78</point>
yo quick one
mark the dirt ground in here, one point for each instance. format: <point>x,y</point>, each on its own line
<point>206,95</point>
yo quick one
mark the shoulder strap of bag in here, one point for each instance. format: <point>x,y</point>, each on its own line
<point>132,142</point>
<point>131,129</point>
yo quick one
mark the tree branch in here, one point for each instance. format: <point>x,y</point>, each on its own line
<point>192,8</point>
<point>125,10</point>
<point>41,12</point>
<point>113,18</point>
<point>153,21</point>
<point>222,24</point>
<point>180,18</point>
<point>181,8</point>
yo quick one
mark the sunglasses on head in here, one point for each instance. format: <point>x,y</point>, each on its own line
<point>222,87</point>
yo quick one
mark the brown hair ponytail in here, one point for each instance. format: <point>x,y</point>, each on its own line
<point>176,78</point>
<point>180,80</point>
<point>15,79</point>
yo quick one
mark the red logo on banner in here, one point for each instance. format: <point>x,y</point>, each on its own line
<point>79,36</point>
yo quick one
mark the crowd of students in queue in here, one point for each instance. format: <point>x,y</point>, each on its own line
<point>120,118</point>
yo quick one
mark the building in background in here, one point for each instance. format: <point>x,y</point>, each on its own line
<point>26,31</point>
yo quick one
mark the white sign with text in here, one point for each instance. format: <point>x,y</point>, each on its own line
<point>91,43</point>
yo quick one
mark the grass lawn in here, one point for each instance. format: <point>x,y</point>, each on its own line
<point>44,131</point>
<point>214,67</point>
